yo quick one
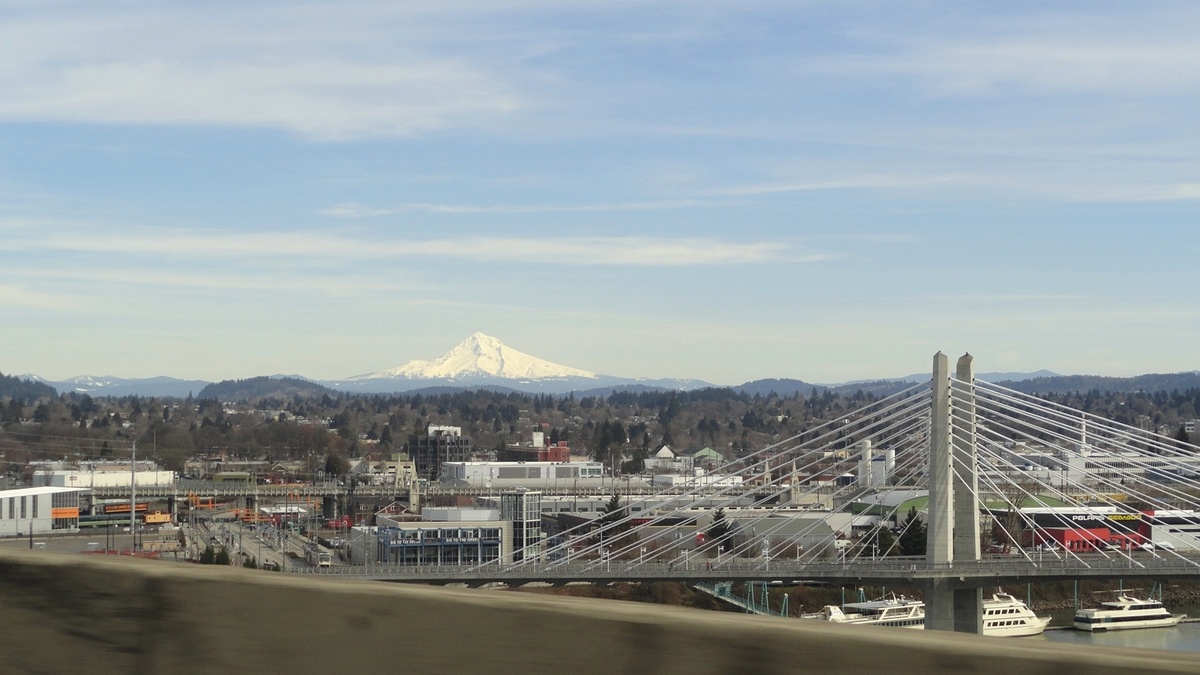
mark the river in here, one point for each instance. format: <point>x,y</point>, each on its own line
<point>1182,638</point>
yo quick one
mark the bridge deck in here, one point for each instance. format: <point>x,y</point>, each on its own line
<point>889,571</point>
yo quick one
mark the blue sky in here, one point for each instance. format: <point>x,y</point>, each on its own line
<point>718,190</point>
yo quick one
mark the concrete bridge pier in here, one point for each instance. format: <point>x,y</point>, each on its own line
<point>329,507</point>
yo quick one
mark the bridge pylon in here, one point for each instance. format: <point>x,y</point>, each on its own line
<point>953,524</point>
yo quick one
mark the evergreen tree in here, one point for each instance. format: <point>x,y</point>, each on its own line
<point>881,542</point>
<point>719,529</point>
<point>913,538</point>
<point>613,511</point>
<point>1182,435</point>
<point>613,515</point>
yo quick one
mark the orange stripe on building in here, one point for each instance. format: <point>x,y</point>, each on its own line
<point>64,512</point>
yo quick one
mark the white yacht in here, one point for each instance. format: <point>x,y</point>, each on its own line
<point>1005,616</point>
<point>897,612</point>
<point>1124,613</point>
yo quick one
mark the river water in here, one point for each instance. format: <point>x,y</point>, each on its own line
<point>1182,638</point>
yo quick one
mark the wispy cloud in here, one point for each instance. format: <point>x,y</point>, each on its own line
<point>849,183</point>
<point>353,210</point>
<point>232,246</point>
<point>19,296</point>
<point>319,74</point>
<point>1144,51</point>
<point>1056,66</point>
<point>1135,193</point>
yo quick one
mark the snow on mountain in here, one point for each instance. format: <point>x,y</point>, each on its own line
<point>84,384</point>
<point>108,385</point>
<point>479,356</point>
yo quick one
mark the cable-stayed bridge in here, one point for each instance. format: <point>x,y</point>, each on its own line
<point>1013,487</point>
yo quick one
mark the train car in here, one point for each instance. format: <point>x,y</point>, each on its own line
<point>318,556</point>
<point>156,518</point>
<point>121,507</point>
<point>532,475</point>
<point>103,520</point>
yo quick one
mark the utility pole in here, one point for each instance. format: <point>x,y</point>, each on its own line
<point>133,497</point>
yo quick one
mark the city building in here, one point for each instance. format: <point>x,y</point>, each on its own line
<point>39,510</point>
<point>439,445</point>
<point>101,474</point>
<point>523,508</point>
<point>1080,529</point>
<point>444,536</point>
<point>531,475</point>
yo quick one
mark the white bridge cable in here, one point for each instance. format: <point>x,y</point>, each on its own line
<point>1023,487</point>
<point>752,471</point>
<point>1143,444</point>
<point>1164,442</point>
<point>1098,480</point>
<point>1110,430</point>
<point>998,464</point>
<point>919,458</point>
<point>835,427</point>
<point>1010,413</point>
<point>1016,507</point>
<point>1127,531</point>
<point>856,492</point>
<point>835,430</point>
<point>1069,435</point>
<point>729,501</point>
<point>1141,458</point>
<point>748,519</point>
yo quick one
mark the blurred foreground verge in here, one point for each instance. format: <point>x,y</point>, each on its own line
<point>76,613</point>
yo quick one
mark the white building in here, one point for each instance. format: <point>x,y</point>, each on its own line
<point>38,510</point>
<point>100,474</point>
<point>699,480</point>
<point>445,536</point>
<point>532,475</point>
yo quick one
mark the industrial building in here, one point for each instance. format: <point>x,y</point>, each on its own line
<point>444,536</point>
<point>523,508</point>
<point>439,445</point>
<point>39,510</point>
<point>102,474</point>
<point>531,475</point>
<point>1091,528</point>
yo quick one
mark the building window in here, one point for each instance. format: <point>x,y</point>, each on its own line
<point>35,500</point>
<point>23,508</point>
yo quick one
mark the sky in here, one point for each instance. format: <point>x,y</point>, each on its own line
<point>727,191</point>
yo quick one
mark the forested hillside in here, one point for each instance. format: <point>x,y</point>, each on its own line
<point>28,390</point>
<point>298,422</point>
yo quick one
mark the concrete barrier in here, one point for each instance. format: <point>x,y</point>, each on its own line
<point>87,614</point>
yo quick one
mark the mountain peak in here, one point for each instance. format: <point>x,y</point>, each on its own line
<point>481,355</point>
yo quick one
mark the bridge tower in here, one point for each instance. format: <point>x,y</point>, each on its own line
<point>953,526</point>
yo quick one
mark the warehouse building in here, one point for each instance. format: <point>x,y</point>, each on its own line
<point>39,510</point>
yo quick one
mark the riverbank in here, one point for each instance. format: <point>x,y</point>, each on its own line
<point>1060,598</point>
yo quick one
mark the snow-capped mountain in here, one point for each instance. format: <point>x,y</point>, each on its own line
<point>479,356</point>
<point>109,385</point>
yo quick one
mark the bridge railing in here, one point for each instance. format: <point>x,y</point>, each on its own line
<point>914,569</point>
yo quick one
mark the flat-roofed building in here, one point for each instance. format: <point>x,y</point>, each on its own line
<point>39,510</point>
